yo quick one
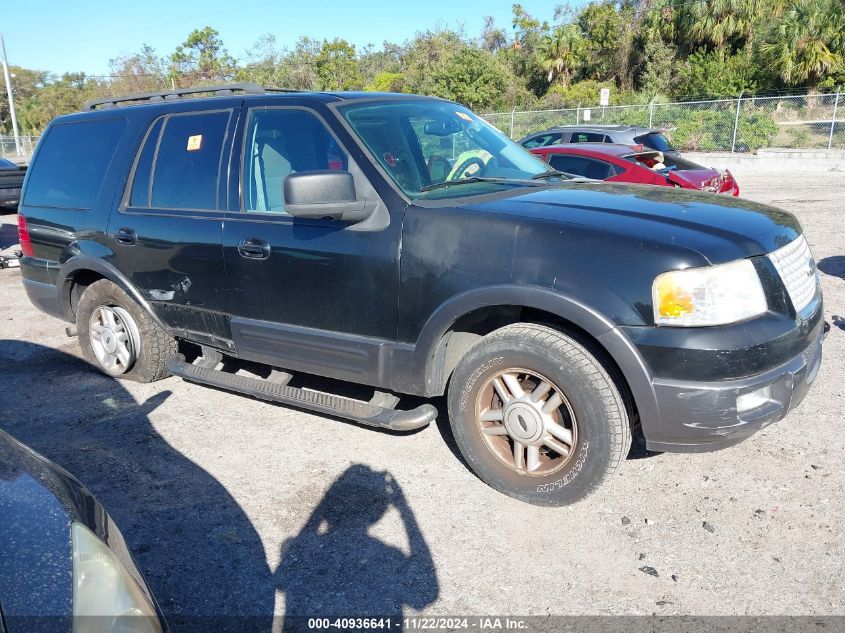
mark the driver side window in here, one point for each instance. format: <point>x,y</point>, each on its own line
<point>281,142</point>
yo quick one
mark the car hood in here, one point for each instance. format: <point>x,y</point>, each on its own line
<point>719,228</point>
<point>37,505</point>
<point>39,500</point>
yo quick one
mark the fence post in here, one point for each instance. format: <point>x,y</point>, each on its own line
<point>578,115</point>
<point>833,120</point>
<point>736,122</point>
<point>513,114</point>
<point>651,113</point>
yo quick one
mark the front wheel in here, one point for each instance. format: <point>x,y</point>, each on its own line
<point>118,337</point>
<point>537,416</point>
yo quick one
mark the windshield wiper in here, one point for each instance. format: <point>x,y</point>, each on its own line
<point>550,174</point>
<point>462,181</point>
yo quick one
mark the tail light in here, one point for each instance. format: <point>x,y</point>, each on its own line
<point>23,236</point>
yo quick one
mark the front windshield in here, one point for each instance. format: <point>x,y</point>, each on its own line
<point>428,146</point>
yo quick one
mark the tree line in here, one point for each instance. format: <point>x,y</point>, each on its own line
<point>641,49</point>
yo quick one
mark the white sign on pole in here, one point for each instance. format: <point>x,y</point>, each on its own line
<point>587,114</point>
<point>604,96</point>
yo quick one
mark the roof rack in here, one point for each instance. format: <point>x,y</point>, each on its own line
<point>180,93</point>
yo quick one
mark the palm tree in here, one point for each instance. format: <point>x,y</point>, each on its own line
<point>719,22</point>
<point>561,53</point>
<point>807,44</point>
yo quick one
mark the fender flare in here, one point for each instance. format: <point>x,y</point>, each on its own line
<point>596,324</point>
<point>82,262</point>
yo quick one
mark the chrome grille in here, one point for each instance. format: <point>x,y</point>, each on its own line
<point>797,269</point>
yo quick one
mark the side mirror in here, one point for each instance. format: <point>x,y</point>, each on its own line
<point>327,193</point>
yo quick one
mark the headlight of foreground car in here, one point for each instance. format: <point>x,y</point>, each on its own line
<point>105,596</point>
<point>714,295</point>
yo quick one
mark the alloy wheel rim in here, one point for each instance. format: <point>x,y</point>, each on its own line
<point>114,338</point>
<point>526,421</point>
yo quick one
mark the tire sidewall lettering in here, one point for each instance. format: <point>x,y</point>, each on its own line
<point>571,474</point>
<point>480,371</point>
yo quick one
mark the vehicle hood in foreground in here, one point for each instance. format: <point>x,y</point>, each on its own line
<point>39,501</point>
<point>720,228</point>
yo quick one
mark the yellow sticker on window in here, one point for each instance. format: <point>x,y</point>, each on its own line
<point>194,142</point>
<point>464,116</point>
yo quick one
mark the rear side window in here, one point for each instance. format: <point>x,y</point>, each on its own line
<point>72,162</point>
<point>589,137</point>
<point>186,167</point>
<point>581,166</point>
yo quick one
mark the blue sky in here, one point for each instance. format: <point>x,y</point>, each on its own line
<point>83,35</point>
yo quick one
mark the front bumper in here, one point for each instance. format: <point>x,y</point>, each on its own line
<point>702,416</point>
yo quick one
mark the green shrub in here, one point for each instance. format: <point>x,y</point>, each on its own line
<point>387,82</point>
<point>586,94</point>
<point>756,130</point>
<point>712,130</point>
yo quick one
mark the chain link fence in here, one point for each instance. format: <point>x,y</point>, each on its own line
<point>744,124</point>
<point>9,151</point>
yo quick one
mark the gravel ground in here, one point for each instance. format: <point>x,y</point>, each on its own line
<point>233,506</point>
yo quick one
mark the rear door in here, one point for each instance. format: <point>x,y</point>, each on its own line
<point>167,235</point>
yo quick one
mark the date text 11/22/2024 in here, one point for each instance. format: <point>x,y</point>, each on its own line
<point>483,623</point>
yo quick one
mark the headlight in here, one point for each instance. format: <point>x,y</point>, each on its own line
<point>105,596</point>
<point>714,295</point>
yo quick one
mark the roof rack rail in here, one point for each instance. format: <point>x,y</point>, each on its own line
<point>180,93</point>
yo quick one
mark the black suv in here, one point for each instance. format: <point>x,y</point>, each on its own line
<point>266,242</point>
<point>619,134</point>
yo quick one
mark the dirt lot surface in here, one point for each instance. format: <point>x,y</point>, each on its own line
<point>236,506</point>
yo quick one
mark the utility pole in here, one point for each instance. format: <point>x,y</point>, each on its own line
<point>18,149</point>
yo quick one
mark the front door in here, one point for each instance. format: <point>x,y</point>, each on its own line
<point>312,295</point>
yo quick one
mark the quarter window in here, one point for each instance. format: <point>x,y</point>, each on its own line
<point>281,142</point>
<point>71,163</point>
<point>186,167</point>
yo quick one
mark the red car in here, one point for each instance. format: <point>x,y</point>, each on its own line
<point>635,163</point>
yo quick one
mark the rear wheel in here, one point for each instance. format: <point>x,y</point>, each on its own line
<point>537,416</point>
<point>118,337</point>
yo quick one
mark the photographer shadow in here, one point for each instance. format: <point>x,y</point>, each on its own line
<point>335,568</point>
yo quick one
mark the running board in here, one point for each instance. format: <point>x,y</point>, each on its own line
<point>363,412</point>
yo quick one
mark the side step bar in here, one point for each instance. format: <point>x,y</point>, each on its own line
<point>363,412</point>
